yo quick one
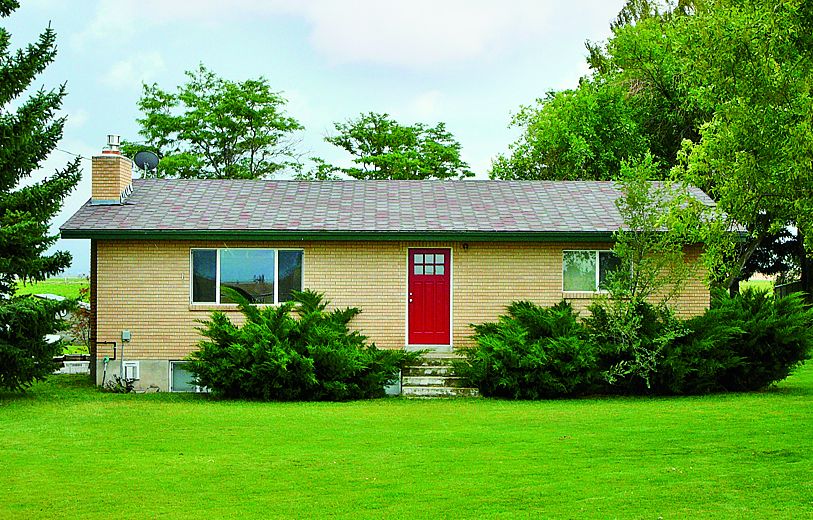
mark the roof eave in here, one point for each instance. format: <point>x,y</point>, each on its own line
<point>250,235</point>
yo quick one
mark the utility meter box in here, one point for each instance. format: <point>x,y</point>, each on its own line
<point>125,335</point>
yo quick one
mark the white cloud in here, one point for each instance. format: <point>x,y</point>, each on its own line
<point>76,118</point>
<point>426,107</point>
<point>421,33</point>
<point>416,34</point>
<point>131,73</point>
<point>113,26</point>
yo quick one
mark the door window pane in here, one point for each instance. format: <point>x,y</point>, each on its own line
<point>204,274</point>
<point>290,273</point>
<point>430,269</point>
<point>439,269</point>
<point>250,272</point>
<point>418,269</point>
<point>418,259</point>
<point>439,259</point>
<point>579,270</point>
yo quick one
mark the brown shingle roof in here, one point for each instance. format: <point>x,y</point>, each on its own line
<point>358,206</point>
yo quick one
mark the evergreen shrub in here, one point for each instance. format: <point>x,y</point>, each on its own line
<point>745,342</point>
<point>297,350</point>
<point>531,352</point>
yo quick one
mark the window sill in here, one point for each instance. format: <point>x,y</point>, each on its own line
<point>581,295</point>
<point>208,307</point>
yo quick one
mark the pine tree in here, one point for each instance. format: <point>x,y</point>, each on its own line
<point>29,131</point>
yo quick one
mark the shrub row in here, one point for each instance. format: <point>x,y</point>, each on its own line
<point>294,351</point>
<point>745,342</point>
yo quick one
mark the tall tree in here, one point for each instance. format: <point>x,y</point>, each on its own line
<point>580,134</point>
<point>217,129</point>
<point>382,148</point>
<point>28,134</point>
<point>721,91</point>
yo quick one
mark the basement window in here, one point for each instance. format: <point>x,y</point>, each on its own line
<point>181,379</point>
<point>259,275</point>
<point>587,270</point>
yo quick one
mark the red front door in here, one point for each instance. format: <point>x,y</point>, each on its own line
<point>429,296</point>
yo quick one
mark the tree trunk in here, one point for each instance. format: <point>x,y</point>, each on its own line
<point>806,268</point>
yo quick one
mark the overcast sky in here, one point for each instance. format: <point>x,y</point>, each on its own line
<point>468,63</point>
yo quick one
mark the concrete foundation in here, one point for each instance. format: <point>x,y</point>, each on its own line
<point>152,373</point>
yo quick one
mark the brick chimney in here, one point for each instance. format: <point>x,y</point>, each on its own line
<point>111,174</point>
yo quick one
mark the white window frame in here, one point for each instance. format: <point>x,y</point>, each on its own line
<point>217,251</point>
<point>197,390</point>
<point>133,367</point>
<point>597,252</point>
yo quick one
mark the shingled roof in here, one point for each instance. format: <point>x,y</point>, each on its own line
<point>161,208</point>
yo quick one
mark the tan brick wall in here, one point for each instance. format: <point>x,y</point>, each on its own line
<point>111,174</point>
<point>143,286</point>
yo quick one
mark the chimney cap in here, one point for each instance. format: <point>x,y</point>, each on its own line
<point>113,143</point>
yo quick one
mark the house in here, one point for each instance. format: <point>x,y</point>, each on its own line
<point>422,259</point>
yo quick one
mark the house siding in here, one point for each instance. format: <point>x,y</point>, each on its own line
<point>143,286</point>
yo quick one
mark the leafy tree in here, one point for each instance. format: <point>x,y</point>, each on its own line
<point>634,323</point>
<point>660,220</point>
<point>581,134</point>
<point>28,133</point>
<point>720,90</point>
<point>215,128</point>
<point>382,148</point>
<point>319,170</point>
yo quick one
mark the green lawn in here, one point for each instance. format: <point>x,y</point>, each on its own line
<point>68,450</point>
<point>762,285</point>
<point>63,286</point>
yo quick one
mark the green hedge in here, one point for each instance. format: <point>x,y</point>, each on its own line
<point>745,342</point>
<point>295,351</point>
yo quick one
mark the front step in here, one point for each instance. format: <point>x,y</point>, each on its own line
<point>438,391</point>
<point>433,376</point>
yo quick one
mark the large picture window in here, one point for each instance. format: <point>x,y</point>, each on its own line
<point>587,270</point>
<point>260,275</point>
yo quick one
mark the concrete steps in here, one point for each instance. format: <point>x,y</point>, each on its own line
<point>433,376</point>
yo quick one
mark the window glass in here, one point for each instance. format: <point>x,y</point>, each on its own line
<point>579,270</point>
<point>439,269</point>
<point>607,263</point>
<point>250,272</point>
<point>430,269</point>
<point>204,275</point>
<point>182,379</point>
<point>290,273</point>
<point>418,259</point>
<point>418,269</point>
<point>439,259</point>
<point>428,259</point>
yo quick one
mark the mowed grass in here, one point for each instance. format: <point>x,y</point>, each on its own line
<point>63,286</point>
<point>761,285</point>
<point>68,450</point>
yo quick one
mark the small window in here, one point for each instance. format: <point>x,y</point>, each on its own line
<point>607,263</point>
<point>259,275</point>
<point>131,370</point>
<point>180,379</point>
<point>586,271</point>
<point>290,273</point>
<point>204,275</point>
